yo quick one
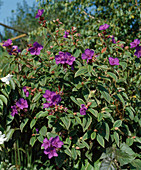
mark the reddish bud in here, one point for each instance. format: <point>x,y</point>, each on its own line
<point>51,58</point>
<point>40,90</point>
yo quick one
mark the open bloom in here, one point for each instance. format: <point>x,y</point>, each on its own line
<point>6,79</point>
<point>35,50</point>
<point>51,146</point>
<point>7,43</point>
<point>13,50</point>
<point>22,104</point>
<point>88,54</point>
<point>64,58</point>
<point>2,138</point>
<point>26,92</point>
<point>52,98</point>
<point>135,43</point>
<point>83,109</point>
<point>138,51</point>
<point>14,110</point>
<point>40,12</point>
<point>104,27</point>
<point>113,61</point>
<point>66,34</point>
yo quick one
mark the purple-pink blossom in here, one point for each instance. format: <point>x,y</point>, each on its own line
<point>7,43</point>
<point>66,34</point>
<point>135,43</point>
<point>14,110</point>
<point>52,98</point>
<point>51,146</point>
<point>22,104</point>
<point>13,50</point>
<point>104,27</point>
<point>35,50</point>
<point>88,54</point>
<point>26,92</point>
<point>113,61</point>
<point>64,58</point>
<point>83,109</point>
<point>39,14</point>
<point>138,51</point>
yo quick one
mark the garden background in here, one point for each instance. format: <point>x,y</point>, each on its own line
<point>70,89</point>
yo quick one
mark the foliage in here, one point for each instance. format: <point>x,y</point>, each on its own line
<point>108,136</point>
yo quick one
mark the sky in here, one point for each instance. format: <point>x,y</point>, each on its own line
<point>7,7</point>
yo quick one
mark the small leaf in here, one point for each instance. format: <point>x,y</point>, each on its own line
<point>32,123</point>
<point>3,98</point>
<point>93,135</point>
<point>117,123</point>
<point>81,71</point>
<point>43,131</point>
<point>116,137</point>
<point>23,124</point>
<point>32,140</point>
<point>100,140</point>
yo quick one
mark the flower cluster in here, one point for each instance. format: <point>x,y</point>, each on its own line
<point>113,61</point>
<point>2,138</point>
<point>52,98</point>
<point>20,105</point>
<point>135,44</point>
<point>12,50</point>
<point>64,58</point>
<point>26,92</point>
<point>51,146</point>
<point>88,54</point>
<point>35,50</point>
<point>83,109</point>
<point>39,14</point>
<point>104,27</point>
<point>66,34</point>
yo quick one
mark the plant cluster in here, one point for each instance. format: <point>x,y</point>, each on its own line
<point>79,102</point>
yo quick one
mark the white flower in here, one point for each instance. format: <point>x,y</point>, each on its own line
<point>2,138</point>
<point>6,79</point>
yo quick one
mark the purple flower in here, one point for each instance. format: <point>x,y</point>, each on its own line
<point>104,27</point>
<point>88,54</point>
<point>46,143</point>
<point>70,59</point>
<point>138,51</point>
<point>55,99</point>
<point>14,49</point>
<point>7,43</point>
<point>48,95</point>
<point>51,145</point>
<point>40,12</point>
<point>21,103</point>
<point>56,142</point>
<point>26,92</point>
<point>64,58</point>
<point>113,61</point>
<point>135,43</point>
<point>113,40</point>
<point>66,34</point>
<point>35,50</point>
<point>14,110</point>
<point>51,152</point>
<point>83,109</point>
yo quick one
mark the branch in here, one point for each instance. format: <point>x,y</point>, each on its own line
<point>15,29</point>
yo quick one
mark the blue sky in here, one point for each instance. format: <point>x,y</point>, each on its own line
<point>7,6</point>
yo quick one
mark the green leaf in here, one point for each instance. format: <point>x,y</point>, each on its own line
<point>32,123</point>
<point>80,101</point>
<point>81,71</point>
<point>116,137</point>
<point>36,97</point>
<point>68,151</point>
<point>43,131</point>
<point>32,140</point>
<point>23,124</point>
<point>107,131</point>
<point>3,98</point>
<point>40,138</point>
<point>117,123</point>
<point>112,75</point>
<point>74,153</point>
<point>120,98</point>
<point>100,116</point>
<point>66,121</point>
<point>131,114</point>
<point>12,84</point>
<point>41,114</point>
<point>93,135</point>
<point>94,112</point>
<point>105,93</point>
<point>87,120</point>
<point>10,134</point>
<point>100,140</point>
<point>74,100</point>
